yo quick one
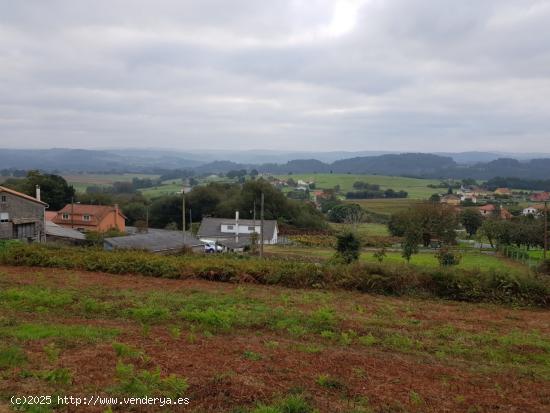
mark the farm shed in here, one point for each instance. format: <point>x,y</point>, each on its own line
<point>154,240</point>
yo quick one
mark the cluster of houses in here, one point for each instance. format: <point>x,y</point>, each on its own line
<point>300,184</point>
<point>473,195</point>
<point>27,218</point>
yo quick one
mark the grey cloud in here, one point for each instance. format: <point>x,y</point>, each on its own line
<point>408,75</point>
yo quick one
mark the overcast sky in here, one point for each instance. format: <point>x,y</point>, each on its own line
<point>404,75</point>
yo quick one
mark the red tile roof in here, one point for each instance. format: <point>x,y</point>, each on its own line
<point>540,196</point>
<point>488,208</point>
<point>50,215</point>
<point>21,195</point>
<point>97,211</point>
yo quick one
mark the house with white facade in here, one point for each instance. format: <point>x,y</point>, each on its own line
<point>237,231</point>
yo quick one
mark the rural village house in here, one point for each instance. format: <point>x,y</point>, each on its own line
<point>535,210</point>
<point>491,210</point>
<point>100,218</point>
<point>540,197</point>
<point>22,216</point>
<point>236,233</point>
<point>503,192</point>
<point>450,199</point>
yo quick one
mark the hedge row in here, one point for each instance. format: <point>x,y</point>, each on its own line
<point>454,284</point>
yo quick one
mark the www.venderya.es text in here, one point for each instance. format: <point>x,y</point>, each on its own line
<point>95,400</point>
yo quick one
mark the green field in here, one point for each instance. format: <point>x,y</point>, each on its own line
<point>82,181</point>
<point>471,260</point>
<point>385,206</point>
<point>417,188</point>
<point>369,229</point>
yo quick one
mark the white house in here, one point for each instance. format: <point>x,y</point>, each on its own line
<point>533,210</point>
<point>238,230</point>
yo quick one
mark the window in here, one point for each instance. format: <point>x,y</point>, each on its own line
<point>86,217</point>
<point>65,216</point>
<point>4,217</point>
<point>251,228</point>
<point>230,227</point>
<point>4,198</point>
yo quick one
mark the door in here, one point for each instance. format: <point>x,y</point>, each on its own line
<point>24,231</point>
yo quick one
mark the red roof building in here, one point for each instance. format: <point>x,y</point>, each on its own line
<point>99,218</point>
<point>540,197</point>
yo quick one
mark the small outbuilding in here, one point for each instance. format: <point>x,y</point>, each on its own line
<point>160,241</point>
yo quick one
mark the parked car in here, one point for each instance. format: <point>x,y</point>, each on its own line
<point>211,246</point>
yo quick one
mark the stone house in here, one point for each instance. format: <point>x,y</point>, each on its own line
<point>22,216</point>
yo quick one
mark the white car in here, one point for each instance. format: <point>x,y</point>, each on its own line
<point>211,246</point>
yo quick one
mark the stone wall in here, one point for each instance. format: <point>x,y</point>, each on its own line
<point>21,210</point>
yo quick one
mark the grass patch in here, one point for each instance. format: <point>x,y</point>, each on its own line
<point>290,404</point>
<point>250,355</point>
<point>329,382</point>
<point>33,331</point>
<point>11,356</point>
<point>141,383</point>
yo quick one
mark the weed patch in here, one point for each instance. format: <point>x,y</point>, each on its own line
<point>11,356</point>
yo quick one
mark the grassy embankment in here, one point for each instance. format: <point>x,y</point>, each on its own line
<point>469,284</point>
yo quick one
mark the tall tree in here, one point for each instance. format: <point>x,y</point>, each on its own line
<point>471,219</point>
<point>54,189</point>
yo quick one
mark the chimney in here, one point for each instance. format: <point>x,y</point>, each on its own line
<point>38,192</point>
<point>236,226</point>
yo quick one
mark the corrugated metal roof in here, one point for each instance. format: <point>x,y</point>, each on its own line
<point>155,240</point>
<point>55,230</point>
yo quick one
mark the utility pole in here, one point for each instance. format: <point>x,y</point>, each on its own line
<point>254,236</point>
<point>72,212</point>
<point>545,229</point>
<point>183,212</point>
<point>190,222</point>
<point>147,218</point>
<point>262,227</point>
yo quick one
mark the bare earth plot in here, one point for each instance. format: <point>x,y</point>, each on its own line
<point>233,347</point>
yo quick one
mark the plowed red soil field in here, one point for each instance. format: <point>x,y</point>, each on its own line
<point>230,347</point>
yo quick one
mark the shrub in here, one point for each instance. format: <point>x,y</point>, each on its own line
<point>447,257</point>
<point>348,247</point>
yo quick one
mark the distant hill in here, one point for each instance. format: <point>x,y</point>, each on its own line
<point>76,160</point>
<point>159,161</point>
<point>410,164</point>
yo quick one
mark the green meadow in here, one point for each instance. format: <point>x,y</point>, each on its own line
<point>416,188</point>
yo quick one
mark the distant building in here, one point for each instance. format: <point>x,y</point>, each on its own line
<point>535,210</point>
<point>21,216</point>
<point>540,197</point>
<point>487,210</point>
<point>491,210</point>
<point>237,230</point>
<point>502,192</point>
<point>450,199</point>
<point>99,218</point>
